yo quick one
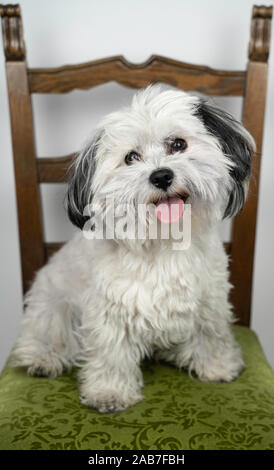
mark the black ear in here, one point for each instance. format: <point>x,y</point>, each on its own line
<point>236,144</point>
<point>79,193</point>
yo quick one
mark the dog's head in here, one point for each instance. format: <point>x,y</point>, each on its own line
<point>168,145</point>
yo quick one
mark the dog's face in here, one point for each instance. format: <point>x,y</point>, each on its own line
<point>168,145</point>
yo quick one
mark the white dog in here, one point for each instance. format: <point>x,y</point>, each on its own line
<point>106,304</point>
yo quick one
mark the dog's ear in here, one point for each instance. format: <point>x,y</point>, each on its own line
<point>79,192</point>
<point>237,145</point>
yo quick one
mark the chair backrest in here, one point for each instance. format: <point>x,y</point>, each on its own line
<point>30,170</point>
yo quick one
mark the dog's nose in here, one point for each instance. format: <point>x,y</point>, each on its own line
<point>162,178</point>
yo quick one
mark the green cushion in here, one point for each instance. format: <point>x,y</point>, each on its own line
<point>178,412</point>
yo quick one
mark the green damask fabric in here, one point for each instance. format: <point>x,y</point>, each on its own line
<point>178,412</point>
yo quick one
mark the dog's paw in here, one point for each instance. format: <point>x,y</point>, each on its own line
<point>39,363</point>
<point>44,370</point>
<point>109,402</point>
<point>219,371</point>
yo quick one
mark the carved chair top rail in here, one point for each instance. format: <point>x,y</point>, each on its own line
<point>155,69</point>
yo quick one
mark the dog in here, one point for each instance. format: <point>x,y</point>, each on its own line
<point>105,304</point>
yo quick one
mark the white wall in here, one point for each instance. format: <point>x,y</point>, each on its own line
<point>213,32</point>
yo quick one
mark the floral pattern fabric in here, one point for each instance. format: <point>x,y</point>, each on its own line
<point>179,412</point>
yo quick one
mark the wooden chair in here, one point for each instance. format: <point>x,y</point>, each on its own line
<point>31,170</point>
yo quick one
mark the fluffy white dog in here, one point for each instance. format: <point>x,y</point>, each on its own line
<point>105,304</point>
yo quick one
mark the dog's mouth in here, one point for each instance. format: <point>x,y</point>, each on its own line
<point>158,200</point>
<point>170,209</point>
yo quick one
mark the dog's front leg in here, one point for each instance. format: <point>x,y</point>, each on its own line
<point>111,379</point>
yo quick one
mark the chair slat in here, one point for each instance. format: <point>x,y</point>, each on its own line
<point>54,169</point>
<point>156,69</point>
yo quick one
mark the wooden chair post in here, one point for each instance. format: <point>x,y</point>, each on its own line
<point>28,197</point>
<point>244,228</point>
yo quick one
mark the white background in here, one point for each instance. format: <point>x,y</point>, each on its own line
<point>213,32</point>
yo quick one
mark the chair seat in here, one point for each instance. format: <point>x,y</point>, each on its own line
<point>178,412</point>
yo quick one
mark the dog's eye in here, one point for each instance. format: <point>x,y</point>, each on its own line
<point>131,157</point>
<point>177,145</point>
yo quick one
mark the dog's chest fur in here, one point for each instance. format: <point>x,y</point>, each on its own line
<point>153,293</point>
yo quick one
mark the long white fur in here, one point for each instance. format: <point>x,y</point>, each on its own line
<point>106,304</point>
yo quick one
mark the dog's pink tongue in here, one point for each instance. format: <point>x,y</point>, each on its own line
<point>170,210</point>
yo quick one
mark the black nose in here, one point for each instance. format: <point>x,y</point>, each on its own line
<point>162,178</point>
